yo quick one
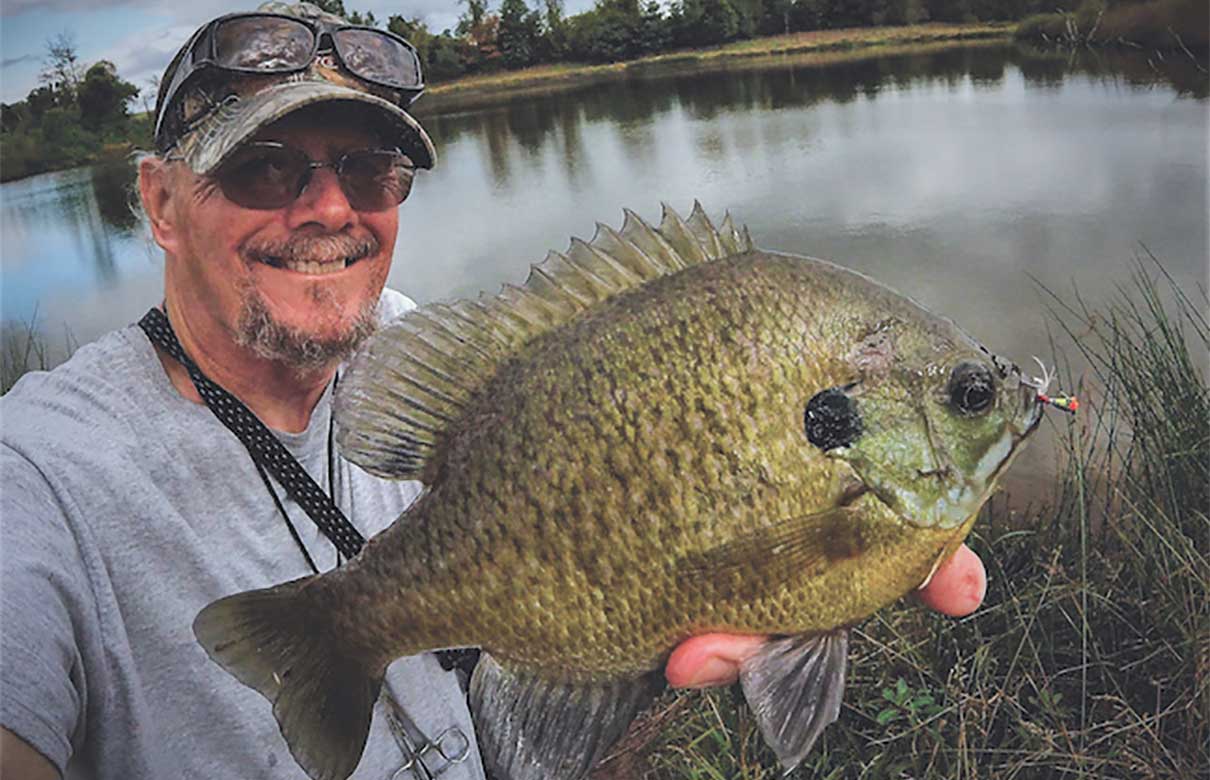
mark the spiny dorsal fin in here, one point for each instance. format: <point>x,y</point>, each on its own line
<point>418,374</point>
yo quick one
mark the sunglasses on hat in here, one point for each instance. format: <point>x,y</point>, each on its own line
<point>270,175</point>
<point>268,43</point>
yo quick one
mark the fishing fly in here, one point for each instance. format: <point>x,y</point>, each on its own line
<point>1066,403</point>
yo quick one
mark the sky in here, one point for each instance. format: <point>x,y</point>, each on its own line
<point>140,36</point>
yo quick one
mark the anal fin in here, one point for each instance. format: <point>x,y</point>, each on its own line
<point>534,728</point>
<point>793,686</point>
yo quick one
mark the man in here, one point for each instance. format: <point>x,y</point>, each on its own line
<point>132,492</point>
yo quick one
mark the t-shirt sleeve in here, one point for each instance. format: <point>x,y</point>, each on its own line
<point>44,600</point>
<point>392,305</point>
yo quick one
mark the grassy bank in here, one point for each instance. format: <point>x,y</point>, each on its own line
<point>828,45</point>
<point>23,348</point>
<point>1158,24</point>
<point>1091,656</point>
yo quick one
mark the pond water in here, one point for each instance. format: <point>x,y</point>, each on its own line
<point>964,177</point>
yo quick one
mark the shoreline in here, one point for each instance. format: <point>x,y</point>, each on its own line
<point>814,47</point>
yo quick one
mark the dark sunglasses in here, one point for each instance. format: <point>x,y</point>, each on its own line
<point>269,175</point>
<point>265,43</point>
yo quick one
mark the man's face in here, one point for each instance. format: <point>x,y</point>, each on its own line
<point>297,284</point>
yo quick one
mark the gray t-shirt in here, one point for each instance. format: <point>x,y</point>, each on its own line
<point>125,509</point>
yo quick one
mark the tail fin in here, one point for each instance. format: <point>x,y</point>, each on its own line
<point>275,640</point>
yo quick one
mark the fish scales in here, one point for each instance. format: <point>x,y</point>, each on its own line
<point>576,568</point>
<point>664,433</point>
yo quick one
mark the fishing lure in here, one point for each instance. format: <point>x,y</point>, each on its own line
<point>1066,403</point>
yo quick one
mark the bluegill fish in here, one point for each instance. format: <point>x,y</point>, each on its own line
<point>664,432</point>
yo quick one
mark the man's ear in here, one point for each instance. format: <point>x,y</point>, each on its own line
<point>156,191</point>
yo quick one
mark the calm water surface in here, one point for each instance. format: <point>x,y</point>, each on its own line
<point>958,177</point>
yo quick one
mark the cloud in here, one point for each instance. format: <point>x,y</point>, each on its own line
<point>18,60</point>
<point>145,53</point>
<point>151,31</point>
<point>18,7</point>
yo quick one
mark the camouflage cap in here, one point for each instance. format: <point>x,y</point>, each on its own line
<point>209,119</point>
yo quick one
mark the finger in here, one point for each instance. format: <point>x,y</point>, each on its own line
<point>710,659</point>
<point>959,585</point>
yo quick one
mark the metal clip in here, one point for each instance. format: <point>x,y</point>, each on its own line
<point>451,746</point>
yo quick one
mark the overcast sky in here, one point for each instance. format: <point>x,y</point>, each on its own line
<point>140,36</point>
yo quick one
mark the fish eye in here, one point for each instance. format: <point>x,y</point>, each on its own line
<point>972,389</point>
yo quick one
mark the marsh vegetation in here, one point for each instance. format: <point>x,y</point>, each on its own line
<point>1091,655</point>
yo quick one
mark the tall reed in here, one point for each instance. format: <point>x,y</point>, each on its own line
<point>1091,655</point>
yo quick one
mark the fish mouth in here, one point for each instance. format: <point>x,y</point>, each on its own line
<point>1032,408</point>
<point>964,496</point>
<point>1031,417</point>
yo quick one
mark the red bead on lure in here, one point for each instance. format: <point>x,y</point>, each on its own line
<point>1066,403</point>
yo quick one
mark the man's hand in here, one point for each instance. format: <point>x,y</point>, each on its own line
<point>956,589</point>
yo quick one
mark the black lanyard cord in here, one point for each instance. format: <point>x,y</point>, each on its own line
<point>269,454</point>
<point>285,516</point>
<point>265,448</point>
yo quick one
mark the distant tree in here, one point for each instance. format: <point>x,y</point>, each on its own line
<point>519,33</point>
<point>332,6</point>
<point>447,57</point>
<point>554,31</point>
<point>482,50</point>
<point>103,96</point>
<point>608,33</point>
<point>949,10</point>
<point>354,17</point>
<point>1003,10</point>
<point>750,13</point>
<point>44,98</point>
<point>843,13</point>
<point>654,34</point>
<point>907,12</point>
<point>13,116</point>
<point>476,11</point>
<point>61,66</point>
<point>149,93</point>
<point>703,22</point>
<point>775,19</point>
<point>809,14</point>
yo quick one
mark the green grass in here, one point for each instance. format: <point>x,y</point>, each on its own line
<point>23,348</point>
<point>825,45</point>
<point>1091,655</point>
<point>1152,24</point>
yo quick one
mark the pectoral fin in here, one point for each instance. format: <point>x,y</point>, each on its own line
<point>794,686</point>
<point>768,558</point>
<point>534,728</point>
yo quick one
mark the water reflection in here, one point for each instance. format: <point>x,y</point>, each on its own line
<point>532,123</point>
<point>938,170</point>
<point>67,236</point>
<point>113,189</point>
<point>957,176</point>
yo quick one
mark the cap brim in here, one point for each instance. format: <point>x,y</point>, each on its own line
<point>209,144</point>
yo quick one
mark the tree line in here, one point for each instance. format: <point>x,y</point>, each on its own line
<point>76,113</point>
<point>71,117</point>
<point>516,35</point>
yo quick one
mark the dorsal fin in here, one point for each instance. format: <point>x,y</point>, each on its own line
<point>419,372</point>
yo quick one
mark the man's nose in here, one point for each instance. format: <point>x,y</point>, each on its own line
<point>323,202</point>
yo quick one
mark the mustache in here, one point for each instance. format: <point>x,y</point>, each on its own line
<point>318,248</point>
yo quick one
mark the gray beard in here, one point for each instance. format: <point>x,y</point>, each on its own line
<point>306,354</point>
